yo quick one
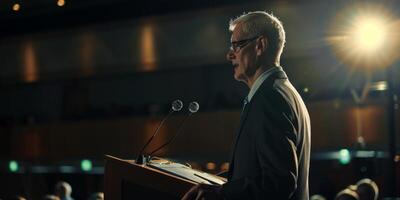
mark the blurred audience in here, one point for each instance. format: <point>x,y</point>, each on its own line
<point>97,196</point>
<point>317,197</point>
<point>367,189</point>
<point>348,194</point>
<point>64,190</point>
<point>51,197</point>
<point>18,198</point>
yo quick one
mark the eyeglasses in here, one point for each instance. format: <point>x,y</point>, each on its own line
<point>237,45</point>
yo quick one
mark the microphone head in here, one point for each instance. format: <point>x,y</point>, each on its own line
<point>194,107</point>
<point>177,105</point>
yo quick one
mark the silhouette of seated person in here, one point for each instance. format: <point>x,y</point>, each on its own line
<point>18,197</point>
<point>51,197</point>
<point>64,190</point>
<point>317,197</point>
<point>97,196</point>
<point>367,189</point>
<point>348,194</point>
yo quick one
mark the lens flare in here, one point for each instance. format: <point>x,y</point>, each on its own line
<point>365,36</point>
<point>369,34</point>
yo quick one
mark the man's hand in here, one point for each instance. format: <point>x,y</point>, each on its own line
<point>203,191</point>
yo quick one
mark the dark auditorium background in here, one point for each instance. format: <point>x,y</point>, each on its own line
<point>83,79</point>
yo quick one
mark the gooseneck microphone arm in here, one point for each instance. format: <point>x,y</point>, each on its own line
<point>193,108</point>
<point>172,139</point>
<point>139,159</point>
<point>176,106</point>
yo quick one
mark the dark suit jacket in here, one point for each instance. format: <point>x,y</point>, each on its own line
<point>271,153</point>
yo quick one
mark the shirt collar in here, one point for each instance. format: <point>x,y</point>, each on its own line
<point>260,80</point>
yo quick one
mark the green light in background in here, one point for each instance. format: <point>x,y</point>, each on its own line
<point>13,166</point>
<point>344,156</point>
<point>86,165</point>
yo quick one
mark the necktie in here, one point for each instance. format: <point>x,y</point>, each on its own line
<point>245,102</point>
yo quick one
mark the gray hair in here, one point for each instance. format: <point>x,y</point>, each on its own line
<point>262,23</point>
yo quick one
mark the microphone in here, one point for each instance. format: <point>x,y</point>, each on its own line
<point>193,108</point>
<point>177,105</point>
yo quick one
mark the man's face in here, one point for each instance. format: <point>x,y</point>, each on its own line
<point>243,57</point>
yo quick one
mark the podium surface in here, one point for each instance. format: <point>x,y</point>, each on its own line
<point>163,179</point>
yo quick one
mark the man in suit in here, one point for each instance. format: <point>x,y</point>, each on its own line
<point>270,158</point>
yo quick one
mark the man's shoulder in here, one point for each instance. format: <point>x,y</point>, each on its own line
<point>269,93</point>
<point>272,99</point>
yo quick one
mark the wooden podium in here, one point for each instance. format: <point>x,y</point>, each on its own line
<point>125,180</point>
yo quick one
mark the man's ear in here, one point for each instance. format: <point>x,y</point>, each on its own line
<point>262,45</point>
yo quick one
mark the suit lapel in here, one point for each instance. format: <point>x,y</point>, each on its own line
<point>243,117</point>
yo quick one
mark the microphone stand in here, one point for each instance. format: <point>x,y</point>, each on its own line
<point>172,139</point>
<point>193,108</point>
<point>142,159</point>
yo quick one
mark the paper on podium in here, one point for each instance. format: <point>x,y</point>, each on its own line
<point>186,172</point>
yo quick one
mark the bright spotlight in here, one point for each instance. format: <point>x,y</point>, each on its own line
<point>365,36</point>
<point>369,34</point>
